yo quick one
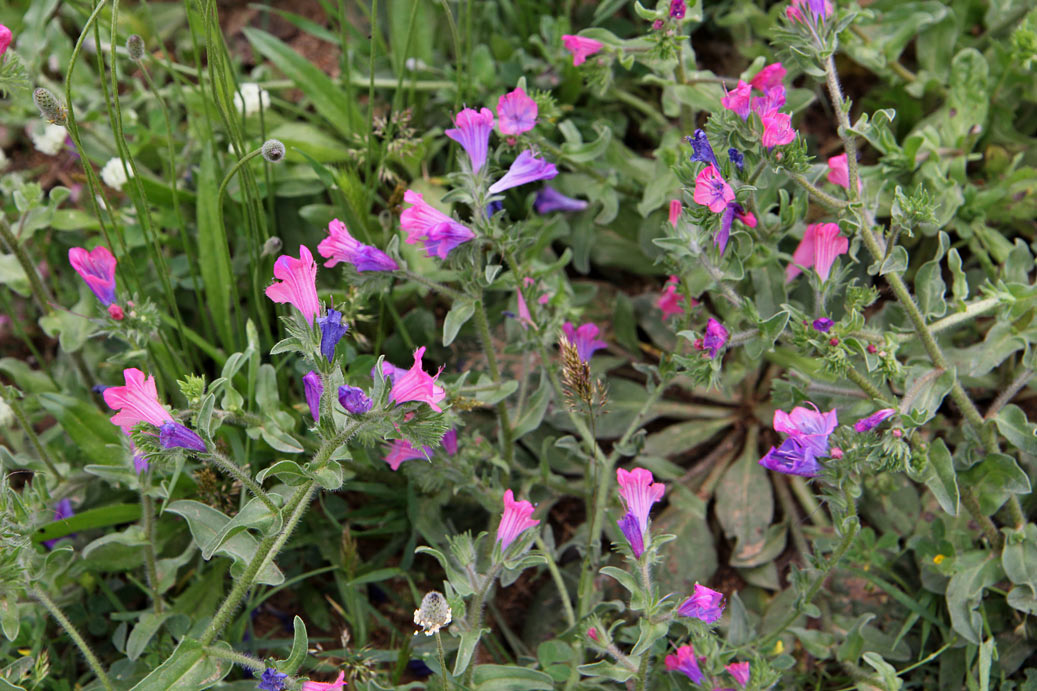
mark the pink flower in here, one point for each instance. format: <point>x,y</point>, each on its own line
<point>670,301</point>
<point>439,232</point>
<point>777,129</point>
<point>675,211</point>
<point>639,491</point>
<point>136,402</point>
<point>5,38</point>
<point>685,661</point>
<point>472,132</point>
<point>739,99</point>
<point>584,338</point>
<point>820,245</point>
<point>705,604</point>
<point>712,191</point>
<point>325,685</point>
<point>97,268</point>
<point>340,246</point>
<point>417,385</point>
<point>298,283</point>
<point>525,319</point>
<point>839,172</point>
<point>740,671</point>
<point>516,112</point>
<point>816,10</point>
<point>401,450</point>
<point>771,100</point>
<point>769,77</point>
<point>581,47</point>
<point>515,520</point>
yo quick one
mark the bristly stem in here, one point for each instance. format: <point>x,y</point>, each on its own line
<point>74,634</point>
<point>819,195</point>
<point>556,576</point>
<point>237,472</point>
<point>507,441</point>
<point>442,661</point>
<point>147,513</point>
<point>237,658</point>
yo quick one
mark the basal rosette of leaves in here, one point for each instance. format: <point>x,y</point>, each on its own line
<point>608,345</point>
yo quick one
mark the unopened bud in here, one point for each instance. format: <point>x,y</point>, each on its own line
<point>837,453</point>
<point>135,47</point>
<point>592,633</point>
<point>50,107</point>
<point>872,349</point>
<point>898,433</point>
<point>115,312</point>
<point>833,342</point>
<point>273,151</point>
<point>433,614</point>
<point>271,246</point>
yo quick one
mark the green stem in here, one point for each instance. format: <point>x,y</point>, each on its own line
<point>237,472</point>
<point>230,174</point>
<point>642,671</point>
<point>147,514</point>
<point>74,634</point>
<point>819,195</point>
<point>434,285</point>
<point>643,106</point>
<point>26,426</point>
<point>40,293</point>
<point>475,614</point>
<point>971,311</point>
<point>442,661</point>
<point>236,657</point>
<point>507,441</point>
<point>867,387</point>
<point>559,582</point>
<point>267,550</point>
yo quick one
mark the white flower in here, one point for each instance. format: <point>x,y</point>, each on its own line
<point>249,97</point>
<point>113,174</point>
<point>433,614</point>
<point>50,140</point>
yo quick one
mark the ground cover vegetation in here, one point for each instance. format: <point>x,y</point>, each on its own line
<point>608,345</point>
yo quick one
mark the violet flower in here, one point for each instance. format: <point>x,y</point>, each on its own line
<point>549,199</point>
<point>443,238</point>
<point>684,661</point>
<point>701,149</point>
<point>417,385</point>
<point>515,520</point>
<point>808,431</point>
<point>824,325</point>
<point>331,332</point>
<point>272,680</point>
<point>62,510</point>
<point>705,604</point>
<point>97,269</point>
<point>472,132</point>
<point>526,168</point>
<point>340,246</point>
<point>298,283</point>
<point>313,388</point>
<point>584,338</point>
<point>354,400</point>
<point>632,532</point>
<point>736,157</point>
<point>421,221</point>
<point>874,420</point>
<point>449,442</point>
<point>734,210</point>
<point>516,113</point>
<point>715,338</point>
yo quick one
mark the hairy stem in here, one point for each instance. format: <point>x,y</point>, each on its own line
<point>506,440</point>
<point>238,473</point>
<point>556,576</point>
<point>147,514</point>
<point>74,634</point>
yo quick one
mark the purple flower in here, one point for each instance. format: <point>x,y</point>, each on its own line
<point>389,371</point>
<point>174,435</point>
<point>639,491</point>
<point>701,150</point>
<point>421,221</point>
<point>62,510</point>
<point>715,338</point>
<point>314,388</point>
<point>97,268</point>
<point>677,9</point>
<point>516,112</point>
<point>685,661</point>
<point>549,199</point>
<point>331,332</point>
<point>526,168</point>
<point>272,680</point>
<point>705,604</point>
<point>632,532</point>
<point>472,132</point>
<point>443,238</point>
<point>740,671</point>
<point>808,432</point>
<point>354,400</point>
<point>736,157</point>
<point>793,457</point>
<point>874,420</point>
<point>515,520</point>
<point>140,461</point>
<point>493,207</point>
<point>449,442</point>
<point>584,338</point>
<point>340,246</point>
<point>824,324</point>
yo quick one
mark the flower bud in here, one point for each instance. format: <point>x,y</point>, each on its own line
<point>273,151</point>
<point>872,348</point>
<point>135,47</point>
<point>272,246</point>
<point>115,312</point>
<point>433,614</point>
<point>50,107</point>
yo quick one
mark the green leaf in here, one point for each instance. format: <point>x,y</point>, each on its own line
<point>692,557</point>
<point>189,668</point>
<point>744,502</point>
<point>328,98</point>
<point>460,313</point>
<point>290,665</point>
<point>896,262</point>
<point>941,478</point>
<point>929,284</point>
<point>465,649</point>
<point>254,516</point>
<point>649,634</point>
<point>315,143</point>
<point>1019,557</point>
<point>144,631</point>
<point>101,517</point>
<point>1012,422</point>
<point>535,409</point>
<point>678,438</point>
<point>609,670</point>
<point>510,678</point>
<point>13,276</point>
<point>965,592</point>
<point>213,251</point>
<point>90,430</point>
<point>993,479</point>
<point>288,472</point>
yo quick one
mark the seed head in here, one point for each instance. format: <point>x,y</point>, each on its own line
<point>135,47</point>
<point>272,246</point>
<point>433,614</point>
<point>273,151</point>
<point>50,107</point>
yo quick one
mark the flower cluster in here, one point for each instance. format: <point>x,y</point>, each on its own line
<point>777,126</point>
<point>713,192</point>
<point>807,440</point>
<point>137,402</point>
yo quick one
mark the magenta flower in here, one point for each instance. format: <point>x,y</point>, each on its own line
<point>5,38</point>
<point>777,129</point>
<point>670,300</point>
<point>734,210</point>
<point>824,325</point>
<point>584,338</point>
<point>439,232</point>
<point>817,10</point>
<point>313,387</point>
<point>580,47</point>
<point>325,685</point>
<point>97,268</point>
<point>769,77</point>
<point>632,532</point>
<point>685,661</point>
<point>525,319</point>
<point>472,131</point>
<point>712,191</point>
<point>874,420</point>
<point>771,100</point>
<point>526,168</point>
<point>401,450</point>
<point>340,246</point>
<point>675,211</point>
<point>639,491</point>
<point>740,671</point>
<point>715,338</point>
<point>516,112</point>
<point>739,99</point>
<point>549,199</point>
<point>704,604</point>
<point>808,431</point>
<point>449,442</point>
<point>515,520</point>
<point>298,283</point>
<point>839,173</point>
<point>677,9</point>
<point>820,245</point>
<point>63,509</point>
<point>417,385</point>
<point>136,402</point>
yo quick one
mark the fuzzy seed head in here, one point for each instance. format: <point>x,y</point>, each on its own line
<point>50,107</point>
<point>433,614</point>
<point>273,151</point>
<point>135,47</point>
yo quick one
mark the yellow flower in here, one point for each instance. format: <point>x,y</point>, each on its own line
<point>938,559</point>
<point>779,647</point>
